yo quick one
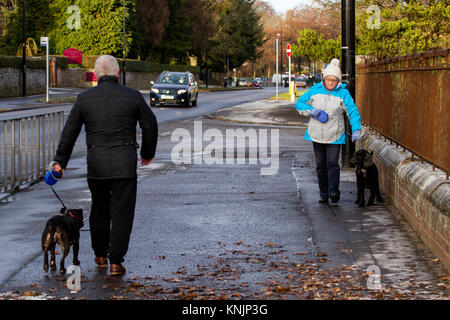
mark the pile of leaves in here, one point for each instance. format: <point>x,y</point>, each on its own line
<point>237,272</point>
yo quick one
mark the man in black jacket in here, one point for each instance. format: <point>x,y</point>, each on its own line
<point>110,113</point>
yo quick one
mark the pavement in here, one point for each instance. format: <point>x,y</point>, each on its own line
<point>213,229</point>
<point>31,102</point>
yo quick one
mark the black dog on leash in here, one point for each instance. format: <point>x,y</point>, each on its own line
<point>63,229</point>
<point>366,177</point>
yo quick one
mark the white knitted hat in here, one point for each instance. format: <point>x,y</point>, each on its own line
<point>333,70</point>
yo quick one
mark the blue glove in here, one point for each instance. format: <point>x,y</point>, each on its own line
<point>315,112</point>
<point>323,116</point>
<point>356,135</point>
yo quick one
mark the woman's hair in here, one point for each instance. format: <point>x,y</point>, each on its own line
<point>106,65</point>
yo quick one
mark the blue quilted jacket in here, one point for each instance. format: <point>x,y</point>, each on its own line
<point>335,103</point>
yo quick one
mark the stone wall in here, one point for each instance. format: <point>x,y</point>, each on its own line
<point>421,194</point>
<point>11,82</point>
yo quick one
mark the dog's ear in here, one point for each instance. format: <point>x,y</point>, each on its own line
<point>371,153</point>
<point>62,211</point>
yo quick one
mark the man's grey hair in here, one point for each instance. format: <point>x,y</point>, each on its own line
<point>106,65</point>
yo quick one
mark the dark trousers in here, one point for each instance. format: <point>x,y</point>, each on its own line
<point>327,167</point>
<point>112,214</point>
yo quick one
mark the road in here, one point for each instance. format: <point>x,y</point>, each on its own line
<point>208,102</point>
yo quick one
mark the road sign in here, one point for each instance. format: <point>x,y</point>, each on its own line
<point>288,50</point>
<point>44,41</point>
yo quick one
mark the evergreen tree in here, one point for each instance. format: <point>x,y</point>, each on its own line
<point>39,23</point>
<point>176,42</point>
<point>240,34</point>
<point>152,17</point>
<point>404,27</point>
<point>100,28</point>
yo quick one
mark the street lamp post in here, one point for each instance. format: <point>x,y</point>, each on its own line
<point>348,68</point>
<point>123,44</point>
<point>281,46</point>
<point>24,53</point>
<point>276,68</point>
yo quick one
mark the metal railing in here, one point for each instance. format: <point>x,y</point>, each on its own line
<point>407,100</point>
<point>27,146</point>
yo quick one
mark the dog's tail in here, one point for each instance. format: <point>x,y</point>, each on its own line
<point>48,235</point>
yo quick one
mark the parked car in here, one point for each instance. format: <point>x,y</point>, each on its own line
<point>174,88</point>
<point>300,82</point>
<point>257,83</point>
<point>241,82</point>
<point>286,80</point>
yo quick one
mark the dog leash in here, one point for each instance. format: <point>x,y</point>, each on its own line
<point>65,208</point>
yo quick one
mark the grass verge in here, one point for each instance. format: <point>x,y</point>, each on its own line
<point>58,100</point>
<point>286,96</point>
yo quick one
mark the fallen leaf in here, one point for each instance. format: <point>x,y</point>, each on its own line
<point>136,284</point>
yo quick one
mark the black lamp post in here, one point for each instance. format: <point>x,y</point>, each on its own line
<point>348,68</point>
<point>123,45</point>
<point>24,52</point>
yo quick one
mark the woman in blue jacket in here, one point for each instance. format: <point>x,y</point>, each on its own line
<point>326,103</point>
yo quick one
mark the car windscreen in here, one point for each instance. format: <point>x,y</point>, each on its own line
<point>172,79</point>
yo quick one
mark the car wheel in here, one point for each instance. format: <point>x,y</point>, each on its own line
<point>194,103</point>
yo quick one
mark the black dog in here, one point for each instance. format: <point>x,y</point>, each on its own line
<point>63,229</point>
<point>366,177</point>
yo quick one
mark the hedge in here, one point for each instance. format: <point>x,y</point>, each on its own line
<point>32,63</point>
<point>89,62</point>
<point>140,66</point>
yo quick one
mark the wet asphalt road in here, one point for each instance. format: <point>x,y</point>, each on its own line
<point>224,231</point>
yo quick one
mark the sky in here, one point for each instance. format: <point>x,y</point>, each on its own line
<point>281,6</point>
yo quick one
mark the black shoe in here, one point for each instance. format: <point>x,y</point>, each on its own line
<point>323,199</point>
<point>335,197</point>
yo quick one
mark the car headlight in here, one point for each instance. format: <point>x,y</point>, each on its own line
<point>181,91</point>
<point>155,90</point>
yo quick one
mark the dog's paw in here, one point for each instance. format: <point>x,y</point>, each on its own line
<point>62,271</point>
<point>76,262</point>
<point>380,200</point>
<point>370,204</point>
<point>362,205</point>
<point>53,265</point>
<point>46,268</point>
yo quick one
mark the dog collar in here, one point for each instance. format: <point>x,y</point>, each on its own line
<point>73,216</point>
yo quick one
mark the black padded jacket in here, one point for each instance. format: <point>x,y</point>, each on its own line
<point>110,113</point>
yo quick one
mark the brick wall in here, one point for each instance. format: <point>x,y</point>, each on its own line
<point>420,194</point>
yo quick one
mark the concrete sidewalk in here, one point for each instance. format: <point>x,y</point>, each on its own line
<point>224,231</point>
